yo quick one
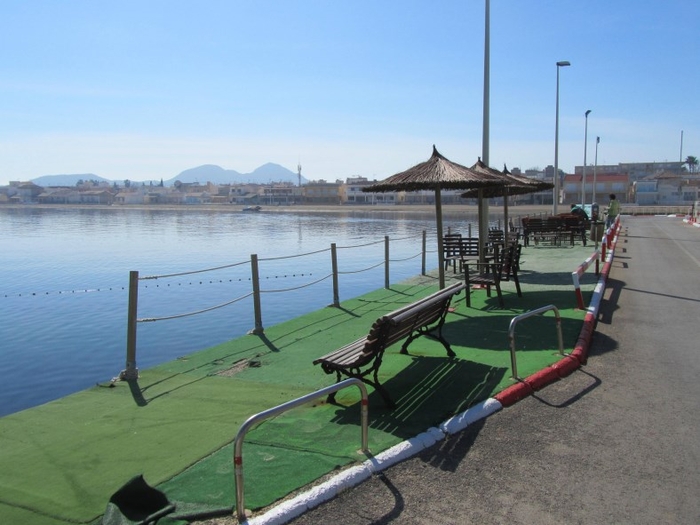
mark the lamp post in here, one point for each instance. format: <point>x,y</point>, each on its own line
<point>563,63</point>
<point>585,149</point>
<point>595,167</point>
<point>484,203</point>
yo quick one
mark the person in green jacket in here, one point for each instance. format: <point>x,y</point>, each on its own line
<point>613,210</point>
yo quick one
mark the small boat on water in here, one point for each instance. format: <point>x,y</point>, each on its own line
<point>252,208</point>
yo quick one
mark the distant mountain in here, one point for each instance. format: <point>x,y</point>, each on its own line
<point>265,174</point>
<point>67,180</point>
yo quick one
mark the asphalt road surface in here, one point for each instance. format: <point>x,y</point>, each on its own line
<point>616,442</point>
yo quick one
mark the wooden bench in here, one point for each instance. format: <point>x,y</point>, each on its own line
<point>362,358</point>
<point>504,269</point>
<point>576,226</point>
<point>549,229</point>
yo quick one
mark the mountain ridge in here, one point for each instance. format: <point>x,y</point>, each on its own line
<point>265,174</point>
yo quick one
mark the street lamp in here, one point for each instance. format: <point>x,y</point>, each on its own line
<point>563,63</point>
<point>585,149</point>
<point>595,167</point>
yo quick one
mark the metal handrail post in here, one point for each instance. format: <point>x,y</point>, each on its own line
<point>131,372</point>
<point>424,250</point>
<point>518,318</point>
<point>256,295</point>
<point>386,262</point>
<point>334,266</point>
<point>261,416</point>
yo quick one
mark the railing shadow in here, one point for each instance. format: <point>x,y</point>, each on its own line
<point>596,382</point>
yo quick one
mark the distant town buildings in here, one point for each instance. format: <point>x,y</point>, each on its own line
<point>648,184</point>
<point>641,183</point>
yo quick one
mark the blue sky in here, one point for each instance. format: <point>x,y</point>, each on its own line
<point>146,89</point>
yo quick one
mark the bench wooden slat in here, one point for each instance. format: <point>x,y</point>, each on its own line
<point>422,317</point>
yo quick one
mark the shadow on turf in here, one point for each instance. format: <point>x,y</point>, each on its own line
<point>487,327</point>
<point>427,392</point>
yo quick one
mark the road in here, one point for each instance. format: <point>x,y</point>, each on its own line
<point>616,442</point>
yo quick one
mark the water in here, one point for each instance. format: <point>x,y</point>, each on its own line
<point>64,275</point>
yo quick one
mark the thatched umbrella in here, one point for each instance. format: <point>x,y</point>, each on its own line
<point>437,173</point>
<point>514,185</point>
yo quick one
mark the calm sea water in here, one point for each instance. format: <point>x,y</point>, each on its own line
<point>64,275</point>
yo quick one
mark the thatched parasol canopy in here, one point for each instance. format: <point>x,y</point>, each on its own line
<point>514,185</point>
<point>437,173</point>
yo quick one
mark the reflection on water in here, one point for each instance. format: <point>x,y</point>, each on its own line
<point>64,279</point>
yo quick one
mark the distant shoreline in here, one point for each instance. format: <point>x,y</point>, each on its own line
<point>447,209</point>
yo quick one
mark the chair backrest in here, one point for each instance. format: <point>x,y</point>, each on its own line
<point>496,235</point>
<point>510,262</point>
<point>469,247</point>
<point>451,244</point>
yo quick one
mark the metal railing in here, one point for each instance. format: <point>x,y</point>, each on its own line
<point>517,319</point>
<point>261,416</point>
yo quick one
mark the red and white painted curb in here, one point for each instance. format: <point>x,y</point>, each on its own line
<point>579,355</point>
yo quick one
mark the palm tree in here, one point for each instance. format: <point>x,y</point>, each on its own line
<point>692,163</point>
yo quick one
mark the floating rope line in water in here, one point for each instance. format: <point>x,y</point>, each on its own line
<point>66,292</point>
<point>240,279</point>
<point>298,287</point>
<point>158,285</point>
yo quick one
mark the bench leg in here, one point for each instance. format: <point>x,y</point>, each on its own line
<point>428,333</point>
<point>331,397</point>
<point>382,391</point>
<point>373,383</point>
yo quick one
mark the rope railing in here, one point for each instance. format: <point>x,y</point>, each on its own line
<point>197,312</point>
<point>359,245</point>
<point>298,287</point>
<point>350,272</point>
<point>131,372</point>
<point>192,272</point>
<point>407,258</point>
<point>294,256</point>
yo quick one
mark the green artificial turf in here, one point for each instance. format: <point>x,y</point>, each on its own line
<point>175,425</point>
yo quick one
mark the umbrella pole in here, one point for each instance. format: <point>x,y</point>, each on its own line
<point>483,231</point>
<point>441,254</point>
<point>506,226</point>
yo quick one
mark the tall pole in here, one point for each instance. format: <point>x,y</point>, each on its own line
<point>487,75</point>
<point>595,166</point>
<point>681,155</point>
<point>563,63</point>
<point>585,149</point>
<point>483,203</point>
